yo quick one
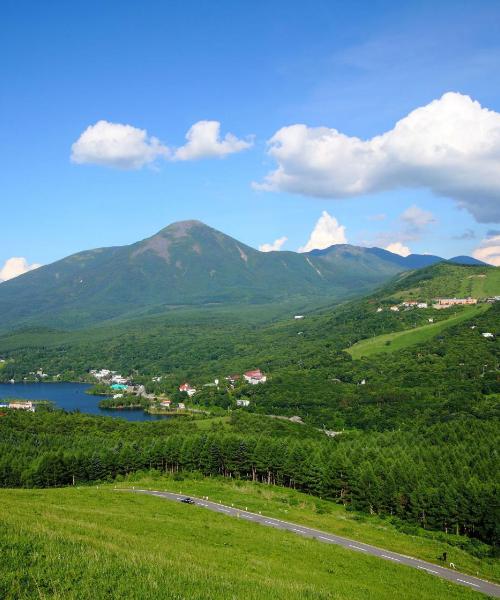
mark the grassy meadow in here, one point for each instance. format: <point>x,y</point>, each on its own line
<point>391,342</point>
<point>79,543</point>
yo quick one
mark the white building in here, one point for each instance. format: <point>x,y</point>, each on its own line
<point>487,334</point>
<point>22,405</point>
<point>242,402</point>
<point>255,377</point>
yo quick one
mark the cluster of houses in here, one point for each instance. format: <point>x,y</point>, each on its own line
<point>408,305</point>
<point>19,405</point>
<point>252,377</point>
<point>441,303</point>
<point>107,376</point>
<point>438,303</point>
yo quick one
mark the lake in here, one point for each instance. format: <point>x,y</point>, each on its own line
<point>71,396</point>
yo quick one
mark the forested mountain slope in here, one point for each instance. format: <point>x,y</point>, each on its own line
<point>188,263</point>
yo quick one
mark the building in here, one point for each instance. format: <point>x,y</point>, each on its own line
<point>488,335</point>
<point>165,403</point>
<point>242,402</point>
<point>410,304</point>
<point>298,317</point>
<point>22,405</point>
<point>185,387</point>
<point>422,305</point>
<point>394,308</point>
<point>181,406</point>
<point>379,309</point>
<point>233,379</point>
<point>447,302</point>
<point>119,379</point>
<point>254,377</point>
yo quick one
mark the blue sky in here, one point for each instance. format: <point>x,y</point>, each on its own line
<point>255,67</point>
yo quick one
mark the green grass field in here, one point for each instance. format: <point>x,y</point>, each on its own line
<point>455,280</point>
<point>95,543</point>
<point>390,342</point>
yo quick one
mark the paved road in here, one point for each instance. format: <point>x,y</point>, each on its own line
<point>474,583</point>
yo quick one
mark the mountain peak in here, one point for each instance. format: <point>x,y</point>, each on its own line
<point>181,228</point>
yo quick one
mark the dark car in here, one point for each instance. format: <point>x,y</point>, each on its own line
<point>187,501</point>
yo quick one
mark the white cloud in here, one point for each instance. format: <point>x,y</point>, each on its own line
<point>450,146</point>
<point>417,219</point>
<point>276,245</point>
<point>116,145</point>
<point>15,266</point>
<point>127,147</point>
<point>327,232</point>
<point>203,141</point>
<point>489,251</point>
<point>398,248</point>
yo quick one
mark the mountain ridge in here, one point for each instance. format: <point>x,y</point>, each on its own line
<point>189,263</point>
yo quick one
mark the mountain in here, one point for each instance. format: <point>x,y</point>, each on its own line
<point>188,263</point>
<point>466,260</point>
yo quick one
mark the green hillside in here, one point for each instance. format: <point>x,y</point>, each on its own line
<point>447,280</point>
<point>185,264</point>
<point>97,543</point>
<point>391,342</point>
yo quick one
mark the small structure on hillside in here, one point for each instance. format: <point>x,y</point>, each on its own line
<point>185,387</point>
<point>242,402</point>
<point>440,303</point>
<point>488,334</point>
<point>254,377</point>
<point>165,403</point>
<point>233,378</point>
<point>22,405</point>
<point>298,317</point>
<point>394,308</point>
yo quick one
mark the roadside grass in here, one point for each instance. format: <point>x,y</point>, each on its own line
<point>97,543</point>
<point>391,342</point>
<point>291,505</point>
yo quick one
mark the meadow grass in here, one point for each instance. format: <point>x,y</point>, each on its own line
<point>391,342</point>
<point>291,505</point>
<point>96,543</point>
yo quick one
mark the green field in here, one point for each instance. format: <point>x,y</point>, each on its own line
<point>100,543</point>
<point>450,281</point>
<point>390,342</point>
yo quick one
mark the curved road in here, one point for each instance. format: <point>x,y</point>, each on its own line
<point>474,583</point>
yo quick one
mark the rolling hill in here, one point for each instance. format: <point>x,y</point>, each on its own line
<point>189,263</point>
<point>118,545</point>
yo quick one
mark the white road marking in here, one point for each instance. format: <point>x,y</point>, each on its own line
<point>357,547</point>
<point>428,570</point>
<point>390,557</point>
<point>467,582</point>
<point>322,537</point>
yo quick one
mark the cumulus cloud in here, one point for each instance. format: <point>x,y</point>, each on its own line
<point>127,147</point>
<point>327,232</point>
<point>450,146</point>
<point>276,245</point>
<point>15,266</point>
<point>489,250</point>
<point>417,219</point>
<point>398,248</point>
<point>203,141</point>
<point>116,145</point>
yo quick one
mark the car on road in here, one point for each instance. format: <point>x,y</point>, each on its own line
<point>187,500</point>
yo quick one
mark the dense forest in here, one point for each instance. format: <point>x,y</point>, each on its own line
<point>440,477</point>
<point>419,433</point>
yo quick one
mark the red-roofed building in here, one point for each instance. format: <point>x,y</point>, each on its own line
<point>185,387</point>
<point>254,377</point>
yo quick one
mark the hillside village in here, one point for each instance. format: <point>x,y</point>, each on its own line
<point>120,388</point>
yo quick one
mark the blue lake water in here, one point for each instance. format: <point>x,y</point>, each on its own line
<point>70,396</point>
